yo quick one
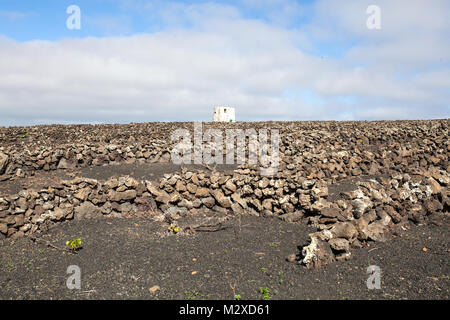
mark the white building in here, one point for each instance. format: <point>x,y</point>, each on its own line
<point>224,114</point>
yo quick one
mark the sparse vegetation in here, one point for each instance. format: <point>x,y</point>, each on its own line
<point>174,228</point>
<point>194,295</point>
<point>266,292</point>
<point>74,244</point>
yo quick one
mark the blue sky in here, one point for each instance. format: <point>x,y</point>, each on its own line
<point>45,19</point>
<point>148,60</point>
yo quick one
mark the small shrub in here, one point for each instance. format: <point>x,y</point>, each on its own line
<point>74,244</point>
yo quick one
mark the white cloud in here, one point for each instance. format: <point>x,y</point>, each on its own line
<point>109,24</point>
<point>180,74</point>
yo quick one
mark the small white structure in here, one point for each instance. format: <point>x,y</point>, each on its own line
<point>224,114</point>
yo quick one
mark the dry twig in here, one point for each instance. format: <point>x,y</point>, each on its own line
<point>48,243</point>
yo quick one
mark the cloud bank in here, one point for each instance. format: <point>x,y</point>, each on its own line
<point>212,54</point>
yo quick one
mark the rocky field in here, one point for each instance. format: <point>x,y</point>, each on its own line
<point>344,186</point>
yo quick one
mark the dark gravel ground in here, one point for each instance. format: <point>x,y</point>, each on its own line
<point>124,258</point>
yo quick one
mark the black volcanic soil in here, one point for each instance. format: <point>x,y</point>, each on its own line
<point>123,258</point>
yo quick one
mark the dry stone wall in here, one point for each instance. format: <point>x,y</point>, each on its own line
<point>365,213</point>
<point>26,163</point>
<point>324,150</point>
<point>353,182</point>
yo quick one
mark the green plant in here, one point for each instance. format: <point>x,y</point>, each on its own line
<point>174,228</point>
<point>263,270</point>
<point>74,244</point>
<point>195,294</point>
<point>24,135</point>
<point>188,295</point>
<point>237,297</point>
<point>265,291</point>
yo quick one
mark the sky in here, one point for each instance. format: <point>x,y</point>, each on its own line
<point>154,60</point>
